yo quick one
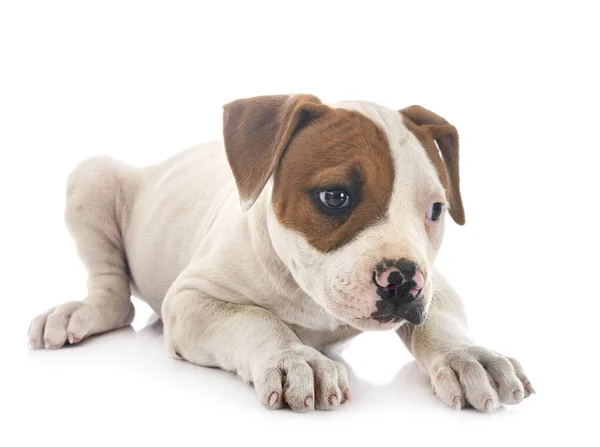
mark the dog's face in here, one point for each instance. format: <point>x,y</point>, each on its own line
<point>357,198</point>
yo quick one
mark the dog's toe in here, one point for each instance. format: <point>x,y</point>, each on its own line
<point>479,377</point>
<point>36,330</point>
<point>304,379</point>
<point>53,328</point>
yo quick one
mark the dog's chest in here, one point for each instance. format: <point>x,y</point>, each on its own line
<point>292,305</point>
<point>309,320</point>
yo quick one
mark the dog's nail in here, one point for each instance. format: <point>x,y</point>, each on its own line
<point>71,338</point>
<point>518,394</point>
<point>273,398</point>
<point>47,344</point>
<point>456,403</point>
<point>529,388</point>
<point>309,401</point>
<point>488,405</point>
<point>347,395</point>
<point>333,399</point>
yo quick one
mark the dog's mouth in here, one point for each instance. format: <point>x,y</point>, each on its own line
<point>395,289</point>
<point>414,315</point>
<point>390,312</point>
<point>396,302</point>
<point>399,302</point>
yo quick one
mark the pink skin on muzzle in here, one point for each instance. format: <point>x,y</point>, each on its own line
<point>383,280</point>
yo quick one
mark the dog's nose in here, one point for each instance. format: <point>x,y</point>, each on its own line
<point>399,285</point>
<point>391,278</point>
<point>398,279</point>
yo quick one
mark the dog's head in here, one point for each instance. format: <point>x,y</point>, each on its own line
<point>357,197</point>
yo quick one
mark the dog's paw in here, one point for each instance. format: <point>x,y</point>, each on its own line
<point>74,321</point>
<point>480,378</point>
<point>302,378</point>
<point>52,329</point>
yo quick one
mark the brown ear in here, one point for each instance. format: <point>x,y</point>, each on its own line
<point>430,129</point>
<point>256,132</point>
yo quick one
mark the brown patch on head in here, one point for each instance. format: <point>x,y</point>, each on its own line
<point>430,129</point>
<point>309,147</point>
<point>339,149</point>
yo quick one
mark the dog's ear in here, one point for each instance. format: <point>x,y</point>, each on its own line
<point>435,132</point>
<point>256,133</point>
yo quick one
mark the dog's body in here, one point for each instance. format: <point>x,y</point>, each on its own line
<point>338,233</point>
<point>206,224</point>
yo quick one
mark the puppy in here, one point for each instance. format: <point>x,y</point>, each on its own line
<point>315,222</point>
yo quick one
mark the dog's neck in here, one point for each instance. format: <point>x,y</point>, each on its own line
<point>262,246</point>
<point>295,300</point>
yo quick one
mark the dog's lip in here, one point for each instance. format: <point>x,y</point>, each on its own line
<point>395,320</point>
<point>391,324</point>
<point>413,312</point>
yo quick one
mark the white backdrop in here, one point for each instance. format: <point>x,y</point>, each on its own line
<point>141,81</point>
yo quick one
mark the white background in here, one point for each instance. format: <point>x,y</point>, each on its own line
<point>141,81</point>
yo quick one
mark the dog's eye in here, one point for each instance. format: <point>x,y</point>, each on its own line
<point>335,198</point>
<point>435,211</point>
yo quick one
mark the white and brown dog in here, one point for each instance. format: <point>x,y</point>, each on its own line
<point>342,215</point>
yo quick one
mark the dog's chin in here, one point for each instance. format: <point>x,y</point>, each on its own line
<point>371,324</point>
<point>379,321</point>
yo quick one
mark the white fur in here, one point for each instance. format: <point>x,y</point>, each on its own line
<point>239,291</point>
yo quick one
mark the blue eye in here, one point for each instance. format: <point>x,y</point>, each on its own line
<point>335,198</point>
<point>435,211</point>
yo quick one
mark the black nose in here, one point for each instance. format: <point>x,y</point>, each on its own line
<point>394,279</point>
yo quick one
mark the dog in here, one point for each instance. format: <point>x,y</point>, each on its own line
<point>307,225</point>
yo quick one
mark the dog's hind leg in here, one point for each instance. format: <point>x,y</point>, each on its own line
<point>100,192</point>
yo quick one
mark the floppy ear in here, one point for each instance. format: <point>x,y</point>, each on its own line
<point>256,133</point>
<point>430,129</point>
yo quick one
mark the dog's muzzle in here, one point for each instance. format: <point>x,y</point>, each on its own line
<point>399,285</point>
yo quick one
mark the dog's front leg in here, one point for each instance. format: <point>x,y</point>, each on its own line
<point>461,372</point>
<point>255,344</point>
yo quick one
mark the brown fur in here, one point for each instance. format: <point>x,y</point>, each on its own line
<point>430,128</point>
<point>256,132</point>
<point>340,148</point>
